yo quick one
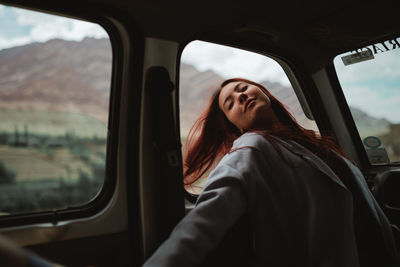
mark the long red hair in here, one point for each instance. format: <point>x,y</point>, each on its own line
<point>212,135</point>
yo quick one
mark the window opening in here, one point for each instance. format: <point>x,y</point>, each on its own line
<point>204,66</point>
<point>55,77</point>
<point>370,80</point>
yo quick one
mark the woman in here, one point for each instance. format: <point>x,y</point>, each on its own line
<point>296,188</point>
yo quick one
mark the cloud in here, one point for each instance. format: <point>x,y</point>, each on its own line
<point>1,10</point>
<point>16,41</point>
<point>41,27</point>
<point>232,62</point>
<point>45,27</point>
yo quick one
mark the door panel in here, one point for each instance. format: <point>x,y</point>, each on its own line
<point>386,190</point>
<point>106,235</point>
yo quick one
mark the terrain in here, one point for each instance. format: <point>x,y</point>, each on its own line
<point>73,79</point>
<point>54,100</point>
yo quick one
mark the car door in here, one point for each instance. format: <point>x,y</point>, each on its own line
<point>70,133</point>
<point>369,80</point>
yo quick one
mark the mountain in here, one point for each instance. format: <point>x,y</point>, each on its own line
<point>198,87</point>
<point>288,97</point>
<point>368,125</point>
<point>70,76</point>
<point>58,75</point>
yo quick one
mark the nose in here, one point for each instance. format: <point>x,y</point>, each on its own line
<point>242,98</point>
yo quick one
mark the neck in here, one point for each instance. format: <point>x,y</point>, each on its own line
<point>267,123</point>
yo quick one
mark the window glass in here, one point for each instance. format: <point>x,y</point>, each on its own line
<point>370,79</point>
<point>204,66</point>
<point>54,94</point>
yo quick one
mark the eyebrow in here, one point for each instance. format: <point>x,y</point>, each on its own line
<point>230,96</point>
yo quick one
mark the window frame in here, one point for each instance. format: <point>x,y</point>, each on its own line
<point>301,82</point>
<point>346,113</point>
<point>107,191</point>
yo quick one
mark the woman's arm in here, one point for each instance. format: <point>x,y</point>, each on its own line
<point>12,255</point>
<point>219,206</point>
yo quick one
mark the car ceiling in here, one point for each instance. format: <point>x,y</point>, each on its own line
<point>310,32</point>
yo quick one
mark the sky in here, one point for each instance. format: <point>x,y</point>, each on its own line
<point>231,62</point>
<point>20,27</point>
<point>372,86</point>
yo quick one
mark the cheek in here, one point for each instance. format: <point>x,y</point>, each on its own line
<point>234,116</point>
<point>266,103</point>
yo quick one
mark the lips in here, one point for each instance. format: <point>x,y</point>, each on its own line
<point>247,103</point>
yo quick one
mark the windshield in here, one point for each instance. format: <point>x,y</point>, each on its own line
<point>370,79</point>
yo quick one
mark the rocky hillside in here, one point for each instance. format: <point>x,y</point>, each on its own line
<point>368,125</point>
<point>71,76</point>
<point>57,75</point>
<point>196,88</point>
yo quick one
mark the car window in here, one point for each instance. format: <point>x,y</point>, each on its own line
<point>204,66</point>
<point>370,80</point>
<point>54,94</point>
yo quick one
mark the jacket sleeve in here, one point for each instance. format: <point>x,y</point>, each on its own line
<point>220,205</point>
<point>36,261</point>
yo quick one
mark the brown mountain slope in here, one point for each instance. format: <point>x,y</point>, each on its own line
<point>57,75</point>
<point>196,89</point>
<point>69,76</point>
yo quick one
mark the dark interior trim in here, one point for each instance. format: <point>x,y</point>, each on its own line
<point>108,188</point>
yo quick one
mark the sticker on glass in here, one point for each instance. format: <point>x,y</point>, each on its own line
<point>372,142</point>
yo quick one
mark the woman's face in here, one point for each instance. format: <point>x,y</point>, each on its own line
<point>245,105</point>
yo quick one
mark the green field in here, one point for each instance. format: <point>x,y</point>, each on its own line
<point>49,160</point>
<point>40,164</point>
<point>51,123</point>
<point>46,178</point>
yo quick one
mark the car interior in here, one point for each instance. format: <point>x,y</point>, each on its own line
<point>142,196</point>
